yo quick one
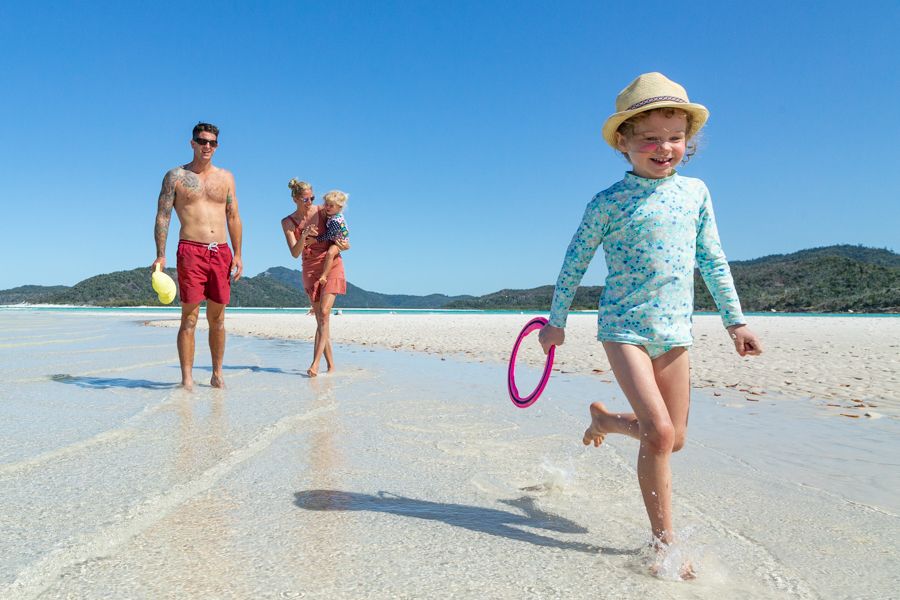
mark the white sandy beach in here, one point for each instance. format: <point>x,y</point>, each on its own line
<point>850,364</point>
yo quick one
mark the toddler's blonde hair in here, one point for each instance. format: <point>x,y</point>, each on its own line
<point>337,197</point>
<point>298,187</point>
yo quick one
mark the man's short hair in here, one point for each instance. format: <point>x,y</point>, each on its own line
<point>207,127</point>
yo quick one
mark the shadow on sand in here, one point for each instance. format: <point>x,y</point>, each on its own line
<point>475,518</point>
<point>103,383</point>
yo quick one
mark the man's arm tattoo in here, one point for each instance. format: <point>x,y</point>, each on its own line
<point>164,213</point>
<point>229,204</point>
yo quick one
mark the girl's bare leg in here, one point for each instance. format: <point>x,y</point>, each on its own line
<point>323,334</point>
<point>674,384</point>
<point>332,251</point>
<point>673,377</point>
<point>660,421</point>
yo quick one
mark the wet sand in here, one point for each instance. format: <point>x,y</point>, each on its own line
<point>848,365</point>
<point>403,475</point>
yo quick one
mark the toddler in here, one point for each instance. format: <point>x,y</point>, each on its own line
<point>335,229</point>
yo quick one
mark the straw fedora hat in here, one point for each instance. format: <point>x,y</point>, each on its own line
<point>647,92</point>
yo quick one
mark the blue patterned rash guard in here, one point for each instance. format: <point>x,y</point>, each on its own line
<point>653,232</point>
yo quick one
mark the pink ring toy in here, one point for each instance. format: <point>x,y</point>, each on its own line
<point>526,401</point>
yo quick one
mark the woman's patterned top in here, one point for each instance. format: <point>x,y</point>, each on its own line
<point>653,232</point>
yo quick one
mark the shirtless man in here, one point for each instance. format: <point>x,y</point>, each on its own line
<point>205,201</point>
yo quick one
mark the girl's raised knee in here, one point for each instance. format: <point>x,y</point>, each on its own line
<point>660,438</point>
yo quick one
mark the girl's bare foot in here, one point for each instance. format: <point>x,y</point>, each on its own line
<point>597,430</point>
<point>665,561</point>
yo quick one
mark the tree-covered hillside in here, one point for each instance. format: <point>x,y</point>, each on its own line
<point>834,278</point>
<point>829,279</point>
<point>277,287</point>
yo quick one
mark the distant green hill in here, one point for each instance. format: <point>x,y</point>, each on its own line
<point>122,288</point>
<point>30,294</point>
<point>828,279</point>
<point>357,297</point>
<point>277,287</point>
<point>534,299</point>
<point>872,256</point>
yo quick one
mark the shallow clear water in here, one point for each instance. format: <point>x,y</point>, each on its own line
<point>402,476</point>
<point>175,310</point>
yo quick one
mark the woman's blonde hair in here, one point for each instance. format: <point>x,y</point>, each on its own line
<point>298,187</point>
<point>337,197</point>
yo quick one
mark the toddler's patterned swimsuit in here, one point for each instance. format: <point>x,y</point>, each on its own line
<point>335,229</point>
<point>653,232</point>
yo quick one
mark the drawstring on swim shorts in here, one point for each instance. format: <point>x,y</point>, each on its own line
<point>213,247</point>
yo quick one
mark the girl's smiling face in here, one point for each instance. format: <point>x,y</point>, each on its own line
<point>332,208</point>
<point>657,145</point>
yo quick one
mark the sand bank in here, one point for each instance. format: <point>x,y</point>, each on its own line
<point>402,475</point>
<point>851,365</point>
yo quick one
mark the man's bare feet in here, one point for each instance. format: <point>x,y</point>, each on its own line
<point>217,381</point>
<point>597,431</point>
<point>187,384</point>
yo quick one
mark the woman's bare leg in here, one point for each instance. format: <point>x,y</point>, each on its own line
<point>323,334</point>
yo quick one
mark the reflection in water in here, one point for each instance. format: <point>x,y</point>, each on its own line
<point>200,530</point>
<point>321,540</point>
<point>475,518</point>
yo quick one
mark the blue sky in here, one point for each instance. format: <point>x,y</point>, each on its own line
<point>466,133</point>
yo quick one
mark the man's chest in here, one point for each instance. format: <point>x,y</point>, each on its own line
<point>192,188</point>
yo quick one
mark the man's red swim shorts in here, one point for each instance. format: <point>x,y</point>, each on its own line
<point>204,272</point>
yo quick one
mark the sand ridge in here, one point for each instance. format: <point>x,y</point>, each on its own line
<point>851,365</point>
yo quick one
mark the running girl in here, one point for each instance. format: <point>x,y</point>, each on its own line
<point>654,225</point>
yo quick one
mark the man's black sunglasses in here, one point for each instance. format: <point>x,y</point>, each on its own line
<point>202,142</point>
